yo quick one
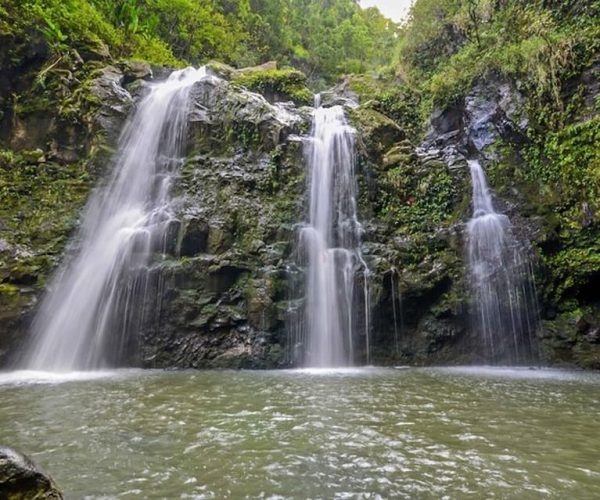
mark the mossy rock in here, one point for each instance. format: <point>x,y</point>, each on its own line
<point>378,132</point>
<point>221,69</point>
<point>276,84</point>
<point>400,154</point>
<point>390,97</point>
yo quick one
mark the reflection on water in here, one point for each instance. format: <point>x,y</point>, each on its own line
<point>394,433</point>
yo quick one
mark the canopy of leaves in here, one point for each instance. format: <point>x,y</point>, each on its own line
<point>323,38</point>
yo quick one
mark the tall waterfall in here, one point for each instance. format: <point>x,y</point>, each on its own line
<point>90,315</point>
<point>330,244</point>
<point>503,295</point>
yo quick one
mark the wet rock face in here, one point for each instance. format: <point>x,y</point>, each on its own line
<point>491,113</point>
<point>222,288</point>
<point>115,101</point>
<point>64,122</point>
<point>411,204</point>
<point>490,125</point>
<point>415,202</point>
<point>226,117</point>
<point>21,479</point>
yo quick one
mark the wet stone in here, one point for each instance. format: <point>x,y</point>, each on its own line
<point>21,478</point>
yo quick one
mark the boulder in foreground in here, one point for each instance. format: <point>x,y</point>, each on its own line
<point>20,478</point>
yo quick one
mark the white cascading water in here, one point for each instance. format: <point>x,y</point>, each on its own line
<point>503,297</point>
<point>91,311</point>
<point>330,243</point>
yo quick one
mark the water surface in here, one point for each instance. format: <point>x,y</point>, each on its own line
<point>352,433</point>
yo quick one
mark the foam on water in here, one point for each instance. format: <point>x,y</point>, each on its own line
<point>24,377</point>
<point>521,372</point>
<point>325,372</point>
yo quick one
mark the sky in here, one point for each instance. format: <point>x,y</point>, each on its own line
<point>394,9</point>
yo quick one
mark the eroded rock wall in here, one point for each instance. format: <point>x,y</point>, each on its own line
<point>416,203</point>
<point>220,291</point>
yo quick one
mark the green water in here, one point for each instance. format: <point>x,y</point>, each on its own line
<point>371,433</point>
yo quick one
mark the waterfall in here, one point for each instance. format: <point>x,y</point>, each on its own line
<point>330,244</point>
<point>503,297</point>
<point>95,303</point>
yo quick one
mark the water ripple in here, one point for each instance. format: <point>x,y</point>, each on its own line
<point>367,433</point>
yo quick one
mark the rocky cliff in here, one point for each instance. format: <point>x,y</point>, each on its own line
<point>222,286</point>
<point>418,203</point>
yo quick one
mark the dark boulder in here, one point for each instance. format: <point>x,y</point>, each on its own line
<point>21,478</point>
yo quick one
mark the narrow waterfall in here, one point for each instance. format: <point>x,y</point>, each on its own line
<point>503,295</point>
<point>89,317</point>
<point>330,244</point>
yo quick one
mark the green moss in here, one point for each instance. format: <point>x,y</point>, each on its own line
<point>417,198</point>
<point>564,167</point>
<point>247,134</point>
<point>285,83</point>
<point>392,98</point>
<point>39,202</point>
<point>443,52</point>
<point>79,102</point>
<point>378,131</point>
<point>587,355</point>
<point>153,50</point>
<point>567,164</point>
<point>7,290</point>
<point>572,268</point>
<point>8,158</point>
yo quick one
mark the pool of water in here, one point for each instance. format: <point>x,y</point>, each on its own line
<point>354,433</point>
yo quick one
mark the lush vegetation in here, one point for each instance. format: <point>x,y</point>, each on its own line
<point>548,51</point>
<point>448,44</point>
<point>322,39</point>
<point>287,83</point>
